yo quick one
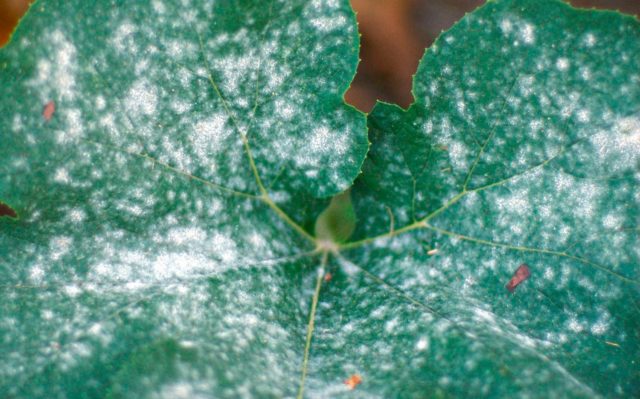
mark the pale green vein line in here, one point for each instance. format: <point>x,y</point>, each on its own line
<point>285,218</point>
<point>225,104</point>
<point>311,325</point>
<point>489,138</point>
<point>526,171</point>
<point>455,324</point>
<point>396,290</point>
<point>422,222</point>
<point>413,226</point>
<point>264,195</point>
<point>277,177</point>
<point>155,161</point>
<point>174,169</point>
<point>531,249</point>
<point>176,281</point>
<point>390,234</point>
<point>256,94</point>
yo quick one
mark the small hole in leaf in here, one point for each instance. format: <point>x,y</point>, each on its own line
<point>6,210</point>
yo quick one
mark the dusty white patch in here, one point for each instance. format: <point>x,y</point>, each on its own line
<point>77,215</point>
<point>619,148</point>
<point>527,33</point>
<point>56,74</point>
<point>562,64</point>
<point>422,344</point>
<point>142,98</point>
<point>328,24</point>
<point>62,176</point>
<point>123,37</point>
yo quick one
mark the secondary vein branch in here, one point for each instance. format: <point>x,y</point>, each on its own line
<point>311,324</point>
<point>264,195</point>
<point>531,249</point>
<point>413,226</point>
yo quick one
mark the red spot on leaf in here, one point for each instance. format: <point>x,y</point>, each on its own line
<point>48,110</point>
<point>521,274</point>
<point>353,381</point>
<point>6,210</point>
<point>328,277</point>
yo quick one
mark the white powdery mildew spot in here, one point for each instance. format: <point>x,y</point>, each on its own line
<point>208,136</point>
<point>613,221</point>
<point>458,155</point>
<point>588,195</point>
<point>36,274</point>
<point>527,33</point>
<point>325,7</point>
<point>135,271</point>
<point>142,98</point>
<point>100,103</point>
<point>77,215</point>
<point>527,86</point>
<point>517,203</point>
<point>179,265</point>
<point>122,38</point>
<point>234,67</point>
<point>180,106</point>
<point>285,109</point>
<point>589,39</point>
<point>258,243</point>
<point>522,31</point>
<point>186,252</point>
<point>619,148</point>
<point>583,115</point>
<point>61,175</point>
<point>562,64</point>
<point>60,246</point>
<point>422,344</point>
<point>575,325</point>
<point>183,390</point>
<point>321,150</point>
<point>321,139</point>
<point>55,77</point>
<point>225,248</point>
<point>506,25</point>
<point>601,326</point>
<point>181,49</point>
<point>73,128</point>
<point>328,24</point>
<point>182,235</point>
<point>17,125</point>
<point>582,196</point>
<point>158,7</point>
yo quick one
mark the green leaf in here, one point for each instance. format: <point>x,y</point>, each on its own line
<point>523,146</point>
<point>149,149</point>
<point>167,161</point>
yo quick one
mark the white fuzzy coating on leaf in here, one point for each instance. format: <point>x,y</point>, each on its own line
<point>145,226</point>
<point>529,157</point>
<point>56,72</point>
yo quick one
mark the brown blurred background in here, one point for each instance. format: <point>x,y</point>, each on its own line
<point>394,36</point>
